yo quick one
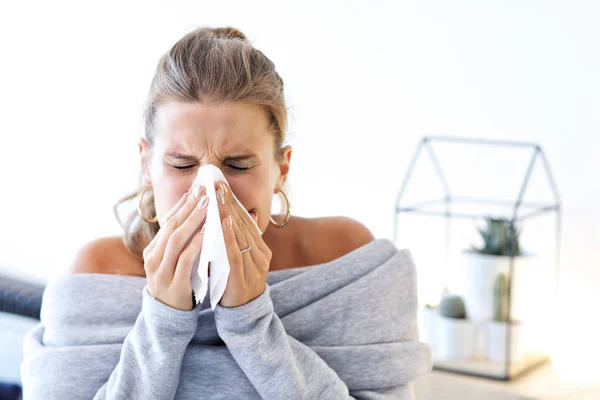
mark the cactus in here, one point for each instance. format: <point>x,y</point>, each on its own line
<point>453,306</point>
<point>497,238</point>
<point>501,295</point>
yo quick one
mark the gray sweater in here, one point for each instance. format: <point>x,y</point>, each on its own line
<point>340,330</point>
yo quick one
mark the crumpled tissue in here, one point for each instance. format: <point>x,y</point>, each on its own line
<point>213,245</point>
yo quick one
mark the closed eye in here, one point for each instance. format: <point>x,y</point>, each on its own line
<point>231,166</point>
<point>240,168</point>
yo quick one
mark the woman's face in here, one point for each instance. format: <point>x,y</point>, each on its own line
<point>234,137</point>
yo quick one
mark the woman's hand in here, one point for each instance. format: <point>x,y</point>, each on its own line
<point>248,270</point>
<point>169,257</point>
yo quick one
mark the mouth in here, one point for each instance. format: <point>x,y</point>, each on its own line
<point>253,213</point>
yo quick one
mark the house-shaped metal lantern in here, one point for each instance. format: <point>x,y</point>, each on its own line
<point>482,221</point>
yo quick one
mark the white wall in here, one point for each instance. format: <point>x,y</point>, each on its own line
<point>364,82</point>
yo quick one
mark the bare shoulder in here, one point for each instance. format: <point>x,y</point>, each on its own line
<point>106,255</point>
<point>349,233</point>
<point>336,236</point>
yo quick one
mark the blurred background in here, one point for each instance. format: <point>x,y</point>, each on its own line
<point>364,82</point>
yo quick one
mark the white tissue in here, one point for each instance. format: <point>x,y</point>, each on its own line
<point>213,246</point>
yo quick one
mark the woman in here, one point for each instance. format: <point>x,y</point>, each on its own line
<point>313,308</point>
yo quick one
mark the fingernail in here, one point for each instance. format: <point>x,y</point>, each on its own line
<point>203,202</point>
<point>229,223</point>
<point>220,196</point>
<point>224,186</point>
<point>198,191</point>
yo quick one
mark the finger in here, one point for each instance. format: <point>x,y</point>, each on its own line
<point>172,223</point>
<point>236,262</point>
<point>242,214</point>
<point>182,237</point>
<point>186,261</point>
<point>178,232</point>
<point>245,223</point>
<point>241,229</point>
<point>175,208</point>
<point>224,211</point>
<point>150,247</point>
<point>252,257</point>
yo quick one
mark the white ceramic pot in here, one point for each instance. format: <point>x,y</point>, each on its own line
<point>429,321</point>
<point>454,338</point>
<point>497,341</point>
<point>481,272</point>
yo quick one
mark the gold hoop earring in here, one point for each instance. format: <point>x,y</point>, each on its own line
<point>288,212</point>
<point>139,207</point>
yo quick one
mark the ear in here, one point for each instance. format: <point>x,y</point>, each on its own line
<point>284,167</point>
<point>145,159</point>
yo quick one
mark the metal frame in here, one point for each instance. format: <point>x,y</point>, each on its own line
<point>538,208</point>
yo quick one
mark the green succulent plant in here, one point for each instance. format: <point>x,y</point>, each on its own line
<point>501,296</point>
<point>453,306</point>
<point>445,292</point>
<point>497,238</point>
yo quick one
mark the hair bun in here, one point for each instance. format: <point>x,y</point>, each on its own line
<point>226,33</point>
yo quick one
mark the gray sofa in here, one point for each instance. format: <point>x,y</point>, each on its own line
<point>20,305</point>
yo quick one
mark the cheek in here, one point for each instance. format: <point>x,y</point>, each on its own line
<point>264,209</point>
<point>168,188</point>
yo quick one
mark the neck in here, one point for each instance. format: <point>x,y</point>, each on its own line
<point>284,243</point>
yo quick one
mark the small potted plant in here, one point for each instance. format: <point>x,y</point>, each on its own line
<point>430,316</point>
<point>500,241</point>
<point>500,327</point>
<point>455,334</point>
<point>429,320</point>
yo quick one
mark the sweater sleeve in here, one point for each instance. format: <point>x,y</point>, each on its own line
<point>152,354</point>
<point>277,365</point>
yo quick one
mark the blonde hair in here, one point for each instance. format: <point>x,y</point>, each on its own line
<point>208,65</point>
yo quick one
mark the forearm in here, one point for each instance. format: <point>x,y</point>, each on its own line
<point>276,364</point>
<point>152,353</point>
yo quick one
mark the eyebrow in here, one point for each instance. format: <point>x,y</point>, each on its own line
<point>187,157</point>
